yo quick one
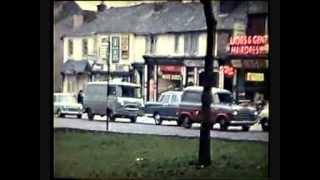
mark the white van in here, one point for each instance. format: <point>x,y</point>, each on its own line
<point>114,99</point>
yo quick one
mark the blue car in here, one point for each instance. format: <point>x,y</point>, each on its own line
<point>165,108</point>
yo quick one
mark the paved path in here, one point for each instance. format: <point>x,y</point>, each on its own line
<point>146,126</point>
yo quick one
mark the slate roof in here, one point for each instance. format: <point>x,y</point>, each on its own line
<point>75,67</point>
<point>157,18</point>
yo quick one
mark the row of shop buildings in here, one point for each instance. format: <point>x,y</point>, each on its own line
<point>161,46</point>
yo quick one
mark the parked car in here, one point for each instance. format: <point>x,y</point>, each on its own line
<point>114,99</point>
<point>165,108</point>
<point>224,109</point>
<point>263,117</point>
<point>66,104</point>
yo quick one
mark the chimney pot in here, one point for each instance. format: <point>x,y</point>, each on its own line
<point>101,7</point>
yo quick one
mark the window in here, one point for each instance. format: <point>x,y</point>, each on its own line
<point>223,42</point>
<point>191,42</point>
<point>161,98</point>
<point>165,99</point>
<point>151,44</point>
<point>194,97</point>
<point>95,46</point>
<point>70,47</point>
<point>112,91</point>
<point>176,43</point>
<point>129,91</point>
<point>85,47</point>
<point>125,46</point>
<point>104,50</point>
<point>225,98</point>
<point>227,6</point>
<point>256,24</point>
<point>174,99</point>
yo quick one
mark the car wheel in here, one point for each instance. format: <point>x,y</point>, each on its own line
<point>59,114</point>
<point>186,122</point>
<point>90,114</point>
<point>179,122</point>
<point>245,128</point>
<point>133,119</point>
<point>79,116</point>
<point>223,124</point>
<point>264,126</point>
<point>112,119</point>
<point>157,118</point>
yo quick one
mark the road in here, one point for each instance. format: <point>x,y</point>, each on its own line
<point>146,125</point>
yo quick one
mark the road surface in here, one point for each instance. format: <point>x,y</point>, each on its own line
<point>146,125</point>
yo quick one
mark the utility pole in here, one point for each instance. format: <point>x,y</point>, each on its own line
<point>204,145</point>
<point>108,79</point>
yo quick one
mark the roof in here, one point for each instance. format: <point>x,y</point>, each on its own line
<point>173,92</point>
<point>200,88</point>
<point>157,18</point>
<point>113,83</point>
<point>75,67</point>
<point>64,94</point>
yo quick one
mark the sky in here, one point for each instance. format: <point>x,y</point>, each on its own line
<point>92,5</point>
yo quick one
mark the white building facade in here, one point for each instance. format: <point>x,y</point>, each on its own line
<point>156,57</point>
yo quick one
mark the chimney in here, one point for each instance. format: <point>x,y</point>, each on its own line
<point>77,20</point>
<point>101,7</point>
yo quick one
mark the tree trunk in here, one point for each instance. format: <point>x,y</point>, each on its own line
<point>204,145</point>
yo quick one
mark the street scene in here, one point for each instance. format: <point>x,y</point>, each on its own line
<point>190,77</point>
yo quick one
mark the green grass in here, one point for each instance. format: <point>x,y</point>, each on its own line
<point>97,155</point>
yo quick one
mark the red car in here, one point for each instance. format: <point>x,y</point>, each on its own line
<point>224,109</point>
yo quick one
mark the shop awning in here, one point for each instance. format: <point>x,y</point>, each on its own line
<point>73,67</point>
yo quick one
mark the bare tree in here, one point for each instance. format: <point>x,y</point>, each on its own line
<point>204,145</point>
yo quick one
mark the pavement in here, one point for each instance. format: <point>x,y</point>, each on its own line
<point>145,125</point>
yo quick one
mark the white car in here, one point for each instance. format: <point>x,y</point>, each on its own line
<point>263,118</point>
<point>66,104</point>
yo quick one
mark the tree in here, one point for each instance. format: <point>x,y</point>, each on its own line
<point>204,145</point>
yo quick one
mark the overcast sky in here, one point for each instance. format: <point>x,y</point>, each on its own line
<point>92,5</point>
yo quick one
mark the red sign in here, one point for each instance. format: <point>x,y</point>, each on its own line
<point>170,69</point>
<point>228,71</point>
<point>249,45</point>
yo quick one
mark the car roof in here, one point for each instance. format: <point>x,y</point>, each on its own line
<point>64,94</point>
<point>200,88</point>
<point>173,92</point>
<point>113,83</point>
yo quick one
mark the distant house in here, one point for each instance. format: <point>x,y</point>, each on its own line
<point>68,16</point>
<point>162,46</point>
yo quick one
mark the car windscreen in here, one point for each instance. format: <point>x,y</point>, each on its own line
<point>66,99</point>
<point>130,91</point>
<point>225,98</point>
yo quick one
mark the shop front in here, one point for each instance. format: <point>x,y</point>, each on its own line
<point>249,62</point>
<point>164,73</point>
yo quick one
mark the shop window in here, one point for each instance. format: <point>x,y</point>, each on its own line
<point>85,47</point>
<point>70,47</point>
